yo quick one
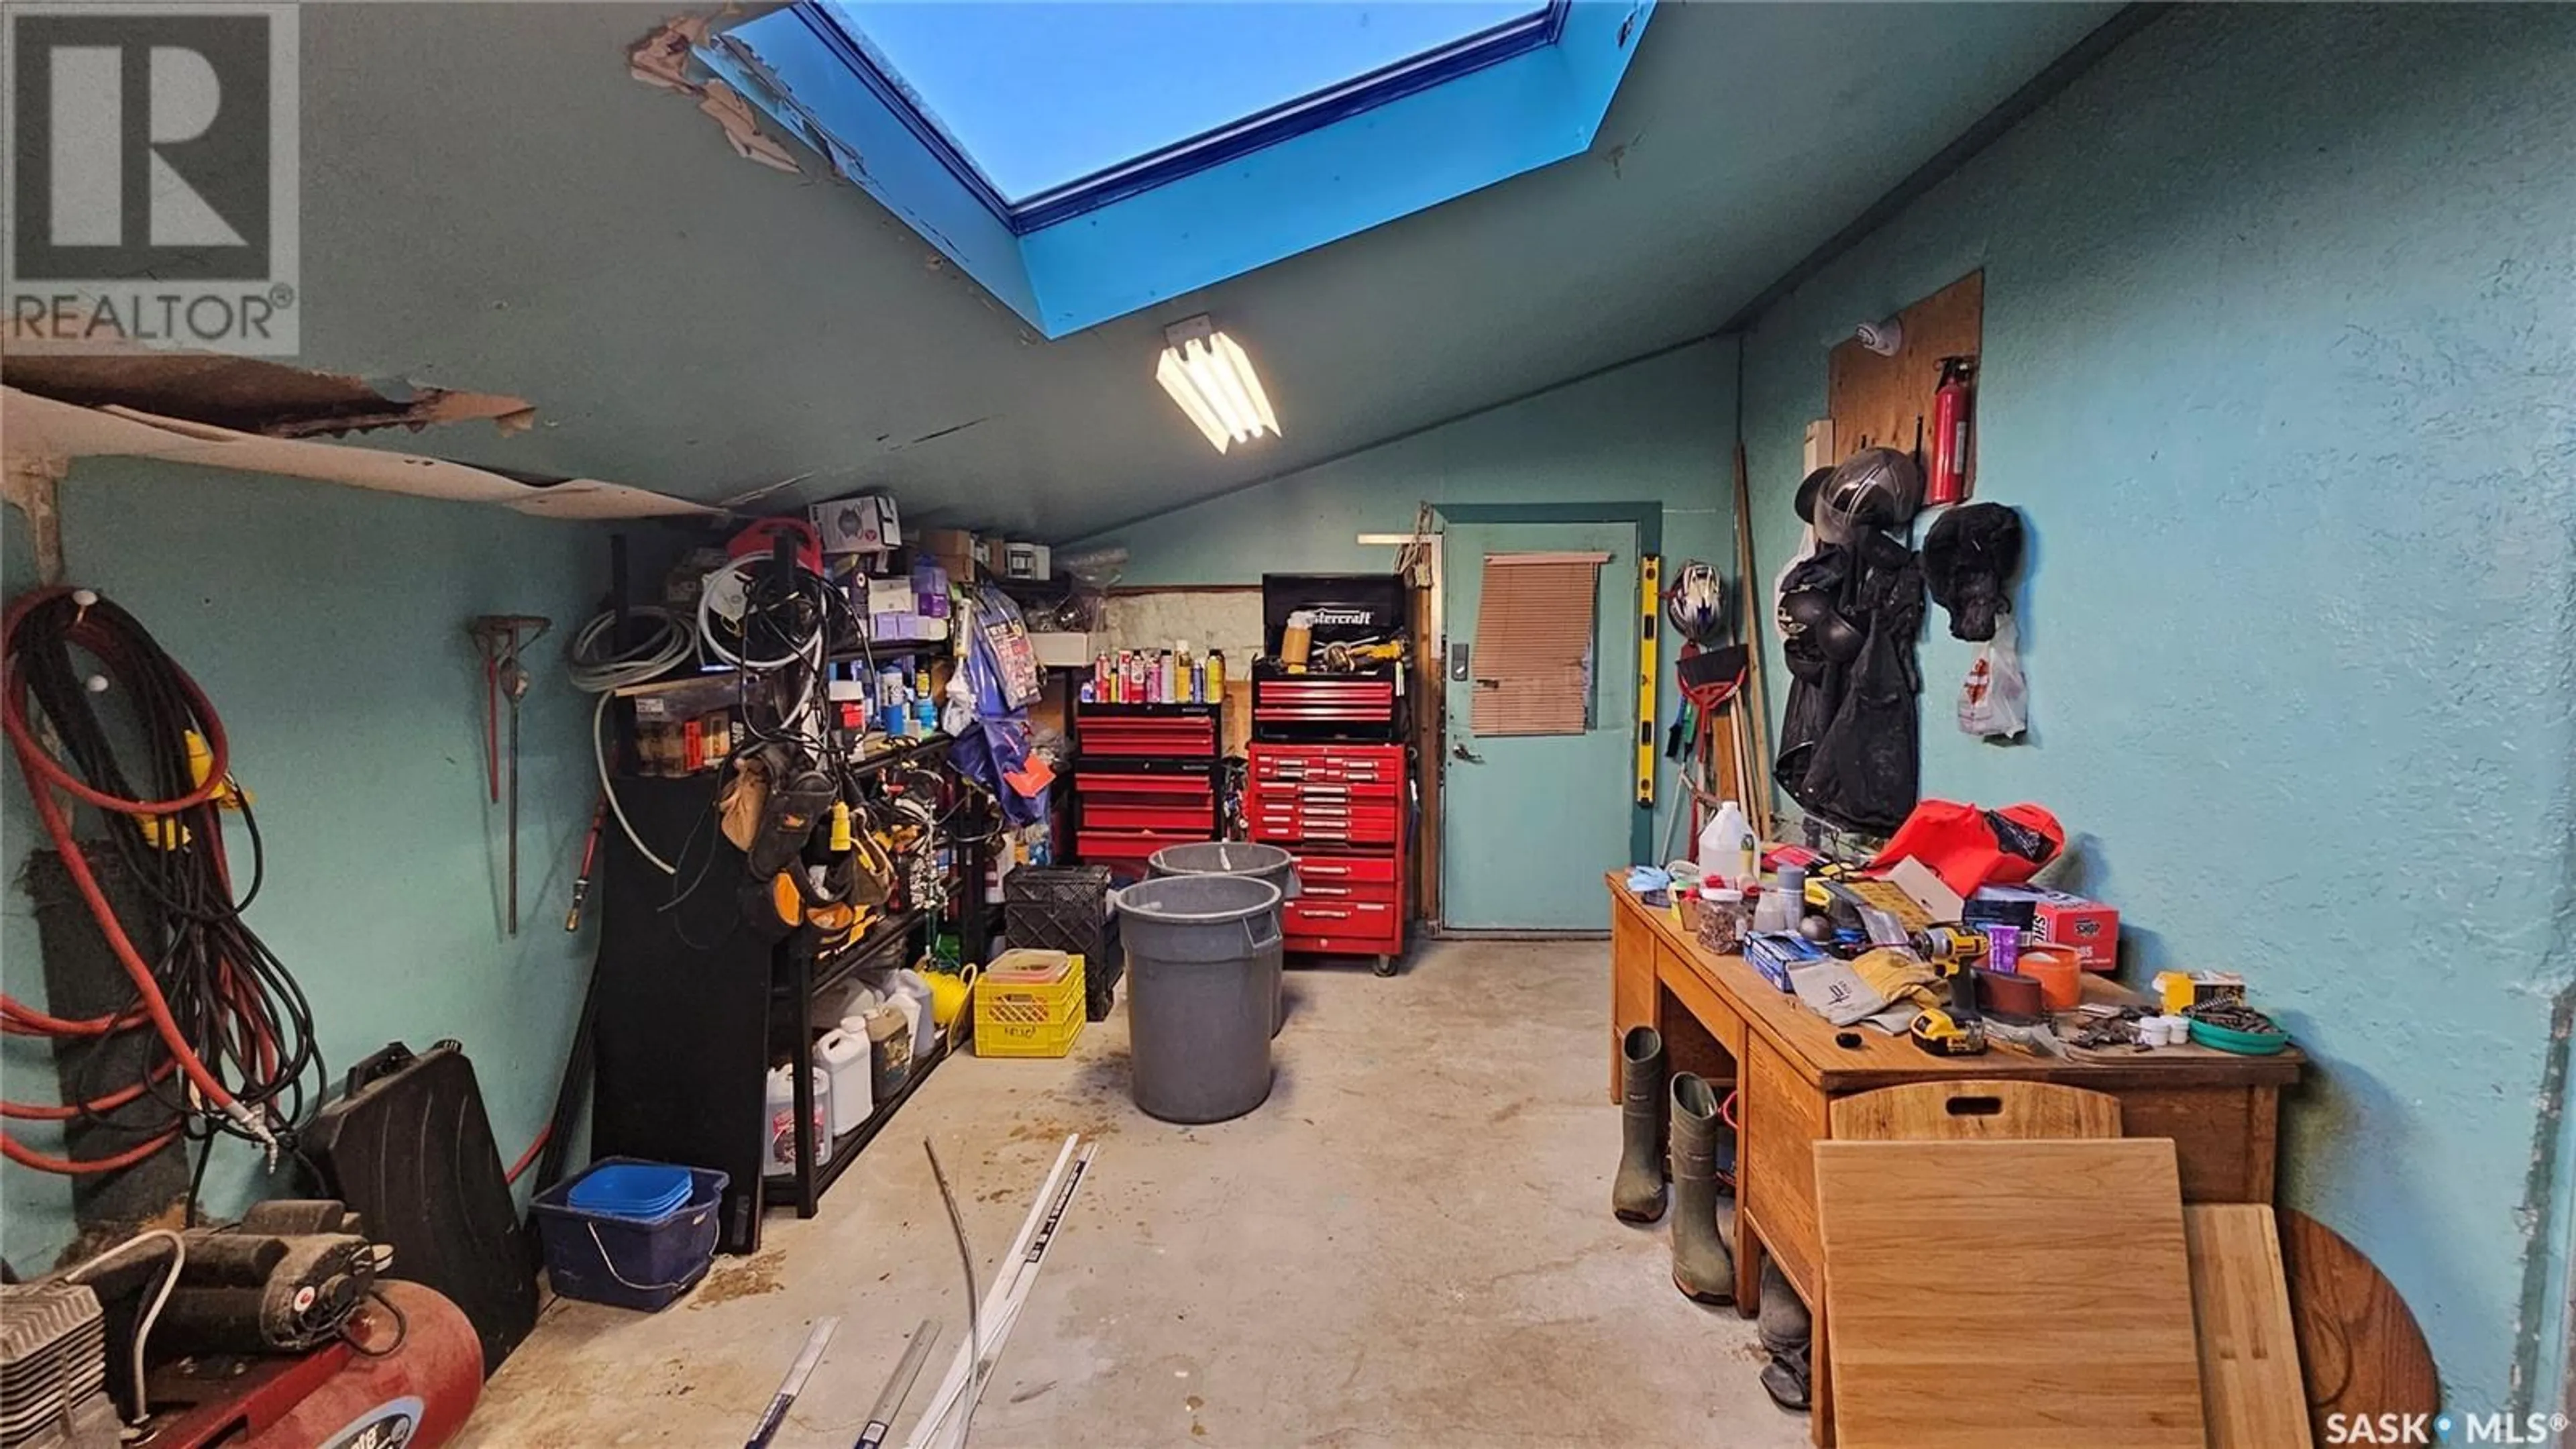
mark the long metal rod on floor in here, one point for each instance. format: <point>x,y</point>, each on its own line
<point>1002,1303</point>
<point>898,1388</point>
<point>964,1361</point>
<point>793,1384</point>
<point>1020,1288</point>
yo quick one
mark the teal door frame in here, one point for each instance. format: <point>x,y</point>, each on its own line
<point>1648,518</point>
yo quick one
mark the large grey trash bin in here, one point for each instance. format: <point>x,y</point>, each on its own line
<point>1241,857</point>
<point>1198,999</point>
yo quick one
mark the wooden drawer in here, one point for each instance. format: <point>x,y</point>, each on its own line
<point>1783,1117</point>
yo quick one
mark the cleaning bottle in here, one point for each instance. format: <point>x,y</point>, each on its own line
<point>1727,850</point>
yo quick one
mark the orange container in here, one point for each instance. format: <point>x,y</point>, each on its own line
<point>2060,975</point>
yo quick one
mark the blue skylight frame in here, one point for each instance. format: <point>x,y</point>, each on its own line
<point>1301,175</point>
<point>1215,147</point>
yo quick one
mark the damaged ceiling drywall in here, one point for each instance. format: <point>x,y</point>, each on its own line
<point>489,198</point>
<point>246,394</point>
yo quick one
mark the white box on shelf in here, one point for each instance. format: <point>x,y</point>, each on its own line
<point>865,524</point>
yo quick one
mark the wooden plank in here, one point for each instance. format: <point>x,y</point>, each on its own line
<point>2249,1354</point>
<point>1429,699</point>
<point>2071,1324</point>
<point>1995,1110</point>
<point>1886,402</point>
<point>1784,1118</point>
<point>2360,1346</point>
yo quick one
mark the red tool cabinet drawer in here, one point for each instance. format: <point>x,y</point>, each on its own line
<point>1290,822</point>
<point>1326,872</point>
<point>1117,801</point>
<point>1357,927</point>
<point>1305,698</point>
<point>1328,764</point>
<point>1127,851</point>
<point>1148,735</point>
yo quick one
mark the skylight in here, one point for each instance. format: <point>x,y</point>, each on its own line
<point>1039,95</point>
<point>1084,159</point>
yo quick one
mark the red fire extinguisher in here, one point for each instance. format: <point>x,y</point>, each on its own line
<point>1946,480</point>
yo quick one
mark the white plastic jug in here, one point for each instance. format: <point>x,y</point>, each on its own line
<point>778,1128</point>
<point>1727,849</point>
<point>915,987</point>
<point>843,1056</point>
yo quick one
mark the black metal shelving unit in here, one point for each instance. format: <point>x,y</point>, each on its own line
<point>695,1004</point>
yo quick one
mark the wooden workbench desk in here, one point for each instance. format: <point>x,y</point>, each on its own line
<point>1722,1019</point>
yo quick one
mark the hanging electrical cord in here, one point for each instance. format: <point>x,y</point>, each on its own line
<point>233,1032</point>
<point>668,647</point>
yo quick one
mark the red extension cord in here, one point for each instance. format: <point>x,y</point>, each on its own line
<point>45,776</point>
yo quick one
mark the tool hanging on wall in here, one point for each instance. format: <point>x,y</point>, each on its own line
<point>501,639</point>
<point>589,859</point>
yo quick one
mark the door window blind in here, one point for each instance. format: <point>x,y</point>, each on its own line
<point>1533,659</point>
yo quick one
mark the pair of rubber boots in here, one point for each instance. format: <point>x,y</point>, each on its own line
<point>1703,1220</point>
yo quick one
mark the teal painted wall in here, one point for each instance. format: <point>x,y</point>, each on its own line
<point>1659,430</point>
<point>2278,366</point>
<point>328,627</point>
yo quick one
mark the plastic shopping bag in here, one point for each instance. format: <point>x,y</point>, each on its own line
<point>1993,699</point>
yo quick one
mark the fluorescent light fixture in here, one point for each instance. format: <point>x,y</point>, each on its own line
<point>1208,375</point>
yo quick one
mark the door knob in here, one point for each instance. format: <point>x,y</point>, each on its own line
<point>1461,752</point>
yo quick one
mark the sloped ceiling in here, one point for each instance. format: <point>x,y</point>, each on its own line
<point>491,202</point>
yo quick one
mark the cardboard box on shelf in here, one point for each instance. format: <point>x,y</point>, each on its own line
<point>1024,560</point>
<point>864,524</point>
<point>891,596</point>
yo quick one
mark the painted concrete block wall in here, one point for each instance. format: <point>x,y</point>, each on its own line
<point>328,627</point>
<point>1657,430</point>
<point>2278,366</point>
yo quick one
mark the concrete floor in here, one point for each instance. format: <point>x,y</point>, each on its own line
<point>1409,1244</point>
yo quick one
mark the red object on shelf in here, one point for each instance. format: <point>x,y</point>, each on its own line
<point>1340,809</point>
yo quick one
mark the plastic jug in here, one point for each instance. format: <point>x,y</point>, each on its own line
<point>1727,849</point>
<point>844,1057</point>
<point>778,1129</point>
<point>915,987</point>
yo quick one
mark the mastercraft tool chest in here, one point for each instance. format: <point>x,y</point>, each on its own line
<point>1328,778</point>
<point>1144,777</point>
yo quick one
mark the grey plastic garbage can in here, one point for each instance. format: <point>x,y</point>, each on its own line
<point>1242,857</point>
<point>1198,998</point>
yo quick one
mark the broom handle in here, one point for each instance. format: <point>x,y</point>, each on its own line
<point>1758,800</point>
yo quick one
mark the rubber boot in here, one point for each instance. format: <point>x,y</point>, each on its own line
<point>1637,1193</point>
<point>1788,1335</point>
<point>1703,1263</point>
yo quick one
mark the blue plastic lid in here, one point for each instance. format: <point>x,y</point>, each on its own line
<point>632,1190</point>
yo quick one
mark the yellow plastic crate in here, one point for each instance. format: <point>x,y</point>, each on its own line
<point>1013,1020</point>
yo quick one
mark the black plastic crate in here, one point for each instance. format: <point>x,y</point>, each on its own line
<point>1066,908</point>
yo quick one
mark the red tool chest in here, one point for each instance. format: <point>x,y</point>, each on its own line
<point>1340,808</point>
<point>1146,777</point>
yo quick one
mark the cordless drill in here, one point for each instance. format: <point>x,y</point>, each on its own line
<point>1954,951</point>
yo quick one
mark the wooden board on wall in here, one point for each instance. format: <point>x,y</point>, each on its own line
<point>1886,402</point>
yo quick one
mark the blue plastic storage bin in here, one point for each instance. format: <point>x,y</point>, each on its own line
<point>624,1261</point>
<point>648,1190</point>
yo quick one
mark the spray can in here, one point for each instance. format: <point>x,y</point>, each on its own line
<point>1216,674</point>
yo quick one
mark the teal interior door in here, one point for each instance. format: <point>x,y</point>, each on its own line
<point>1529,822</point>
